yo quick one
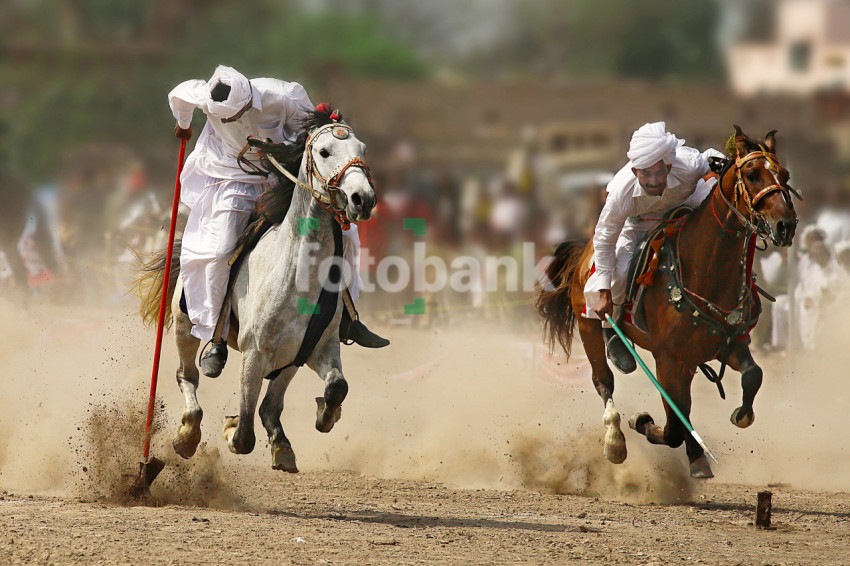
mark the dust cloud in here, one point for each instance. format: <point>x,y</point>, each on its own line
<point>577,467</point>
<point>469,405</point>
<point>111,445</point>
<point>75,389</point>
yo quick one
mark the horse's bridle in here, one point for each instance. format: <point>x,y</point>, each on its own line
<point>754,221</point>
<point>329,193</point>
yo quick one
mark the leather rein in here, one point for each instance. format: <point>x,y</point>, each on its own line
<point>328,194</point>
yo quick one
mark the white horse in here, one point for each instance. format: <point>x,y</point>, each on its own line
<point>284,272</point>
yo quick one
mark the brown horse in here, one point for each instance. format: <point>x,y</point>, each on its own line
<point>699,306</point>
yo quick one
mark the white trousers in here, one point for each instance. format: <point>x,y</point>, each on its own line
<point>627,243</point>
<point>216,220</point>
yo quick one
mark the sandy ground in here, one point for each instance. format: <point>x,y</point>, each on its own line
<point>464,444</point>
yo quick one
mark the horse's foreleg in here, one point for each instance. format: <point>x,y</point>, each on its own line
<point>283,457</point>
<point>603,380</point>
<point>676,380</point>
<point>329,367</point>
<point>239,430</point>
<point>741,360</point>
<point>189,434</point>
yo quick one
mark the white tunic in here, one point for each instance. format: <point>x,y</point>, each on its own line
<point>277,108</point>
<point>630,212</point>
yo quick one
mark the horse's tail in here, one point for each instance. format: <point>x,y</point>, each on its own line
<point>148,284</point>
<point>553,299</point>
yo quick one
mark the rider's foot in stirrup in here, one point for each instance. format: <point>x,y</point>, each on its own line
<point>357,332</point>
<point>214,359</point>
<point>617,352</point>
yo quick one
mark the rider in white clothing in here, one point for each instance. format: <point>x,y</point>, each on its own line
<point>661,174</point>
<point>219,193</point>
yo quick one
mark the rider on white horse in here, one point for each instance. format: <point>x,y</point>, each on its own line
<point>222,196</point>
<point>661,174</point>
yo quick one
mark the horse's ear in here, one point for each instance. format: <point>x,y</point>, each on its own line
<point>770,141</point>
<point>742,147</point>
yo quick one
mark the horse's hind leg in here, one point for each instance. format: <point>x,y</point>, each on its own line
<point>329,368</point>
<point>239,431</point>
<point>189,434</point>
<point>751,376</point>
<point>283,457</point>
<point>603,379</point>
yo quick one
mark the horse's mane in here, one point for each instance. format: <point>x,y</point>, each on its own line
<point>274,203</point>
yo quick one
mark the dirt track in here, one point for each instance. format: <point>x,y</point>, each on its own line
<point>347,518</point>
<point>454,446</point>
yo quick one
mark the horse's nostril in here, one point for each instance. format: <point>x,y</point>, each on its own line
<point>785,230</point>
<point>356,200</point>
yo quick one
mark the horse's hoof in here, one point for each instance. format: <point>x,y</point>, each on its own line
<point>229,429</point>
<point>701,469</point>
<point>186,442</point>
<point>742,420</point>
<point>615,442</point>
<point>615,446</point>
<point>638,420</point>
<point>326,417</point>
<point>283,458</point>
<point>188,435</point>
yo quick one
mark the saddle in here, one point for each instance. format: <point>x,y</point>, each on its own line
<point>645,263</point>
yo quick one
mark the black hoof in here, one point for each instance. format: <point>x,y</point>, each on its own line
<point>700,468</point>
<point>639,420</point>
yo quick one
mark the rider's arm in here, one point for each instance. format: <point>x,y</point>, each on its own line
<point>691,165</point>
<point>184,98</point>
<point>288,100</point>
<point>611,221</point>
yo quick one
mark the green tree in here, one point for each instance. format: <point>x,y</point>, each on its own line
<point>100,70</point>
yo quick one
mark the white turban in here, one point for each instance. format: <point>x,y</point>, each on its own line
<point>650,144</point>
<point>240,92</point>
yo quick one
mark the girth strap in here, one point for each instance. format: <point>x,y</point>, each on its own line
<point>328,299</point>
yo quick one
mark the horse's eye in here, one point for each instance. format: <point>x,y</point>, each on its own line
<point>753,176</point>
<point>324,153</point>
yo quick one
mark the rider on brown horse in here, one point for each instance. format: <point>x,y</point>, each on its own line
<point>697,301</point>
<point>661,175</point>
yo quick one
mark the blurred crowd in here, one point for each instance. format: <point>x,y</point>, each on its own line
<point>83,233</point>
<point>811,280</point>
